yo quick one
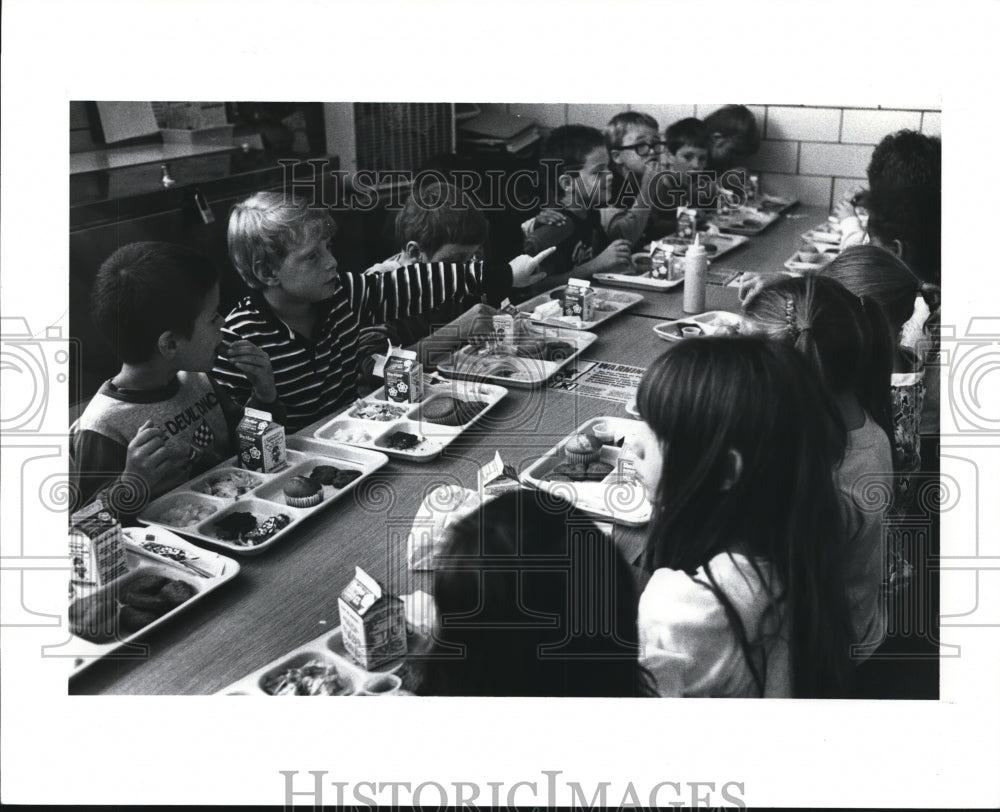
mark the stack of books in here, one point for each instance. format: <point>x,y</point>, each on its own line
<point>497,131</point>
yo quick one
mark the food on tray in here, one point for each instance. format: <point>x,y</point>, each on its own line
<point>126,606</point>
<point>243,528</point>
<point>332,475</point>
<point>302,492</point>
<point>579,472</point>
<point>231,527</point>
<point>402,441</point>
<point>231,485</point>
<point>352,436</point>
<point>582,448</point>
<point>599,470</point>
<point>185,514</point>
<point>315,678</point>
<point>449,411</point>
<point>377,410</point>
<point>266,529</point>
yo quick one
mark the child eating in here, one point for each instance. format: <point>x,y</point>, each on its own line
<point>575,166</point>
<point>532,602</point>
<point>687,155</point>
<point>161,420</point>
<point>308,315</point>
<point>434,225</point>
<point>733,137</point>
<point>846,339</point>
<point>636,155</point>
<point>746,595</point>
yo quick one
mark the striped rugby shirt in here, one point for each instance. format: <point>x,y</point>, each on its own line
<point>317,378</point>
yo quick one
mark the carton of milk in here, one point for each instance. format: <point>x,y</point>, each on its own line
<point>96,546</point>
<point>404,376</point>
<point>373,623</point>
<point>496,478</point>
<point>687,223</point>
<point>261,442</point>
<point>579,300</point>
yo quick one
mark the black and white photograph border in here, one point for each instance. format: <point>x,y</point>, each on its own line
<point>500,751</point>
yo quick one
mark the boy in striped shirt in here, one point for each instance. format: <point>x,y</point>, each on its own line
<point>308,316</point>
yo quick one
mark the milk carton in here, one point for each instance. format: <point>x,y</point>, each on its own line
<point>373,624</point>
<point>261,442</point>
<point>404,377</point>
<point>496,478</point>
<point>96,546</point>
<point>579,300</point>
<point>687,223</point>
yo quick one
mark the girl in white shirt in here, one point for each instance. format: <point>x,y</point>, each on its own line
<point>746,595</point>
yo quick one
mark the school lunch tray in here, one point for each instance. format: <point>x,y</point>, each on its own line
<point>607,305</point>
<point>504,365</point>
<point>716,245</point>
<point>328,651</point>
<point>773,203</point>
<point>823,258</point>
<point>221,569</point>
<point>625,502</point>
<point>709,323</point>
<point>746,221</point>
<point>263,494</point>
<point>824,235</point>
<point>410,418</point>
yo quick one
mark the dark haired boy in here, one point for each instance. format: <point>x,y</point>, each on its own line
<point>161,420</point>
<point>578,180</point>
<point>435,225</point>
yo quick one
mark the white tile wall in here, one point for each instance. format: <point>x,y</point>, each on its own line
<point>869,126</point>
<point>776,156</point>
<point>816,154</point>
<point>593,115</point>
<point>803,123</point>
<point>814,191</point>
<point>845,187</point>
<point>759,111</point>
<point>837,160</point>
<point>665,114</point>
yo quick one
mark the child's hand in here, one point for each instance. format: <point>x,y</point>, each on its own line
<point>844,209</point>
<point>750,286</point>
<point>253,362</point>
<point>550,217</point>
<point>149,457</point>
<point>526,270</point>
<point>615,255</point>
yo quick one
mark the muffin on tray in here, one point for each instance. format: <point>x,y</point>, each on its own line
<point>300,491</point>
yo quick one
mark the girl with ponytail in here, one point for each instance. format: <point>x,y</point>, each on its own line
<point>846,340</point>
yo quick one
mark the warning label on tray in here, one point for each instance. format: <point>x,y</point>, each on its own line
<point>599,379</point>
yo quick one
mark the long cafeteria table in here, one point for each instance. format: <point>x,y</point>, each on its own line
<point>288,595</point>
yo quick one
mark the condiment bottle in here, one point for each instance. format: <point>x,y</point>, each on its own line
<point>695,277</point>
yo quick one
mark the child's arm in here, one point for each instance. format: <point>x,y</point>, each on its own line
<point>98,463</point>
<point>244,372</point>
<point>234,408</point>
<point>418,288</point>
<point>616,255</point>
<point>851,231</point>
<point>630,224</point>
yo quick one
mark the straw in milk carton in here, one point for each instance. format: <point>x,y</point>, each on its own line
<point>373,623</point>
<point>261,442</point>
<point>96,546</point>
<point>578,300</point>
